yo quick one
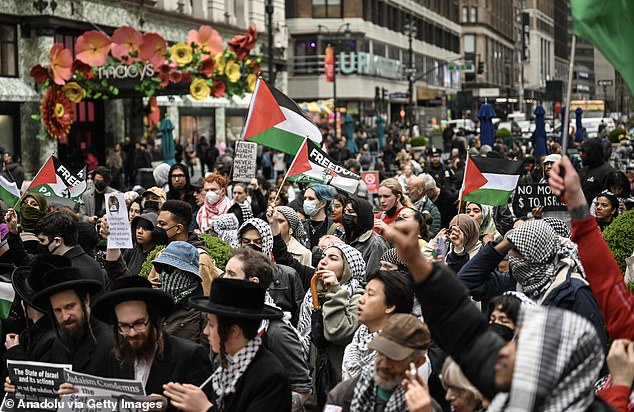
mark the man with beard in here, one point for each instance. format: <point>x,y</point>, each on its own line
<point>82,341</point>
<point>142,350</point>
<point>403,340</point>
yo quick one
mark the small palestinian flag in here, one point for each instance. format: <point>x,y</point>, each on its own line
<point>274,120</point>
<point>311,164</point>
<point>9,192</point>
<point>56,180</point>
<point>490,181</point>
<point>7,294</point>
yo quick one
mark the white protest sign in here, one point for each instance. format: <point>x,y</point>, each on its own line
<point>120,236</point>
<point>245,161</point>
<point>36,384</point>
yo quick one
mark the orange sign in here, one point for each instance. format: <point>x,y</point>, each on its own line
<point>329,64</point>
<point>371,180</point>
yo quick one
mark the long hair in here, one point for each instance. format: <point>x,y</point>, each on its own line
<point>159,337</point>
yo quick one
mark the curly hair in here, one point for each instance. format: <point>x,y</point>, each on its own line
<point>216,178</point>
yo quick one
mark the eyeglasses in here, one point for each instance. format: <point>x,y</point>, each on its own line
<point>178,176</point>
<point>138,327</point>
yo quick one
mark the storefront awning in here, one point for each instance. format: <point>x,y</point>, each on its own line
<point>17,90</point>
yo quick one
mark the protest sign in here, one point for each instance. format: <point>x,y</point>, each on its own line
<point>530,195</point>
<point>245,161</point>
<point>35,385</point>
<point>371,180</point>
<point>96,394</point>
<point>120,236</point>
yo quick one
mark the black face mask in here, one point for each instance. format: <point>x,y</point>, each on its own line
<point>151,205</point>
<point>44,250</point>
<point>100,186</point>
<point>349,223</point>
<point>159,236</point>
<point>254,247</point>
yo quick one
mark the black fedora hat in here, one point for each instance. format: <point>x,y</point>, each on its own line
<point>27,280</point>
<point>238,299</point>
<point>129,288</point>
<point>60,279</point>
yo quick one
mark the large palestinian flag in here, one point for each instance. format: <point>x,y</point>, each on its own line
<point>490,181</point>
<point>311,164</point>
<point>274,120</point>
<point>56,180</point>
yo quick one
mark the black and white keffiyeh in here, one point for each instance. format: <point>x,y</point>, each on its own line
<point>558,360</point>
<point>247,212</point>
<point>226,226</point>
<point>559,226</point>
<point>224,380</point>
<point>391,256</point>
<point>294,224</point>
<point>364,398</point>
<point>357,354</point>
<point>537,243</point>
<point>354,259</point>
<point>263,229</point>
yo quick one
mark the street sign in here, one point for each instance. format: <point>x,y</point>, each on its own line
<point>465,67</point>
<point>489,92</point>
<point>604,83</point>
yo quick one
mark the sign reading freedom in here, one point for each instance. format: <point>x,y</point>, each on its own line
<point>531,195</point>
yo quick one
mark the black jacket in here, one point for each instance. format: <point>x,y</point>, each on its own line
<point>287,290</point>
<point>595,169</point>
<point>35,344</point>
<point>187,194</point>
<point>263,387</point>
<point>91,357</point>
<point>182,361</point>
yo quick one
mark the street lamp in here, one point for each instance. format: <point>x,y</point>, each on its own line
<point>336,40</point>
<point>410,29</point>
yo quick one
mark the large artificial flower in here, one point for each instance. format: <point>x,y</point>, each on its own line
<point>39,73</point>
<point>61,62</point>
<point>243,44</point>
<point>126,42</point>
<point>176,76</point>
<point>220,61</point>
<point>165,79</point>
<point>182,54</point>
<point>92,48</point>
<point>251,81</point>
<point>206,38</point>
<point>206,67</point>
<point>165,69</point>
<point>232,71</point>
<point>199,89</point>
<point>187,77</point>
<point>74,92</point>
<point>83,68</point>
<point>153,48</point>
<point>57,112</point>
<point>218,89</point>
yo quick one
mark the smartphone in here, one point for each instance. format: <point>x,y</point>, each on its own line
<point>412,371</point>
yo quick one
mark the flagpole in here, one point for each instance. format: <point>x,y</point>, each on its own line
<point>27,189</point>
<point>279,190</point>
<point>565,132</point>
<point>463,182</point>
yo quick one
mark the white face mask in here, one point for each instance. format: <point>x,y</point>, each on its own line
<point>212,197</point>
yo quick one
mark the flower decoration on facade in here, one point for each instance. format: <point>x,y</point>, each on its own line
<point>199,66</point>
<point>57,112</point>
<point>92,48</point>
<point>61,63</point>
<point>206,39</point>
<point>126,42</point>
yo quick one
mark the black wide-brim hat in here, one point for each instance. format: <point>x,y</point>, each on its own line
<point>61,279</point>
<point>22,287</point>
<point>129,288</point>
<point>237,299</point>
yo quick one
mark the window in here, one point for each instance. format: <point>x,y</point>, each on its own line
<point>473,16</point>
<point>8,50</point>
<point>306,59</point>
<point>469,43</point>
<point>327,8</point>
<point>465,15</point>
<point>378,49</point>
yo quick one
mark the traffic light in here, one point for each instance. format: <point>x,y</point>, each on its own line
<point>480,67</point>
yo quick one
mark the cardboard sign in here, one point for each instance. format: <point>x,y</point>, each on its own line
<point>120,236</point>
<point>245,161</point>
<point>531,195</point>
<point>371,180</point>
<point>35,384</point>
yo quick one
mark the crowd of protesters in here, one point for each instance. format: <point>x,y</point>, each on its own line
<point>403,300</point>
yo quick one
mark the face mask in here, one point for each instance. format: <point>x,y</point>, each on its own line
<point>44,250</point>
<point>100,186</point>
<point>159,236</point>
<point>349,223</point>
<point>254,247</point>
<point>151,205</point>
<point>212,197</point>
<point>310,208</point>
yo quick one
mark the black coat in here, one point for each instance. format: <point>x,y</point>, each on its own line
<point>182,361</point>
<point>263,387</point>
<point>91,357</point>
<point>88,266</point>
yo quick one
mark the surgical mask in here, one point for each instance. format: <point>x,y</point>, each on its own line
<point>310,208</point>
<point>212,197</point>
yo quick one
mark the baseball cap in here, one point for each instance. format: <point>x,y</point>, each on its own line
<point>157,191</point>
<point>401,336</point>
<point>552,158</point>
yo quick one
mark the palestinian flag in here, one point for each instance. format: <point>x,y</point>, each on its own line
<point>274,120</point>
<point>7,293</point>
<point>489,181</point>
<point>311,164</point>
<point>56,180</point>
<point>9,192</point>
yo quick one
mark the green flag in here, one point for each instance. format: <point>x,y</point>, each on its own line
<point>609,26</point>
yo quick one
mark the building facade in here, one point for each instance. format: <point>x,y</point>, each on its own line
<point>373,56</point>
<point>29,29</point>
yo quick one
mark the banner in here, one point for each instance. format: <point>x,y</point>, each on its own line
<point>120,236</point>
<point>245,161</point>
<point>36,384</point>
<point>530,195</point>
<point>56,180</point>
<point>329,64</point>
